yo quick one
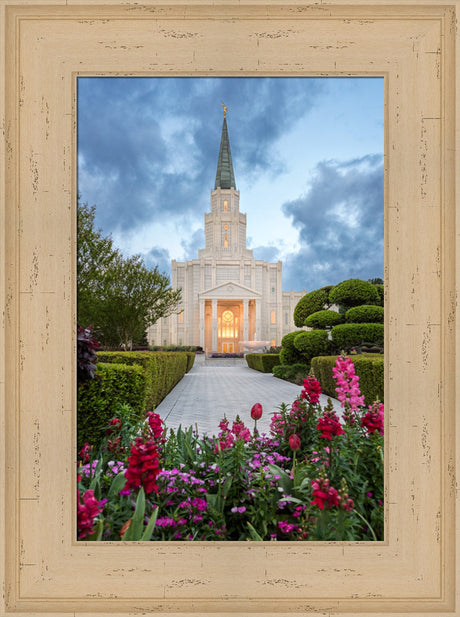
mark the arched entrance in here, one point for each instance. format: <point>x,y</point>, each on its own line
<point>228,328</point>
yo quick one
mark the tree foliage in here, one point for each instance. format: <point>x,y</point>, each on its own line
<point>121,296</point>
<point>354,292</point>
<point>311,303</point>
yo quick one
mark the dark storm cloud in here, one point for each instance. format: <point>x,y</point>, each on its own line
<point>158,257</point>
<point>340,223</point>
<point>148,148</point>
<point>192,244</point>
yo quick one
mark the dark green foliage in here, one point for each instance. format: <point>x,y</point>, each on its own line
<point>354,292</point>
<point>98,398</point>
<point>288,353</point>
<point>294,373</point>
<point>175,348</point>
<point>310,303</point>
<point>86,354</point>
<point>190,360</point>
<point>381,291</point>
<point>162,370</point>
<point>366,313</point>
<point>324,319</point>
<point>263,362</point>
<point>369,368</point>
<point>349,335</point>
<point>311,344</point>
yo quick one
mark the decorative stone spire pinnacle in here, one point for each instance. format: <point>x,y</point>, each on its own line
<point>225,178</point>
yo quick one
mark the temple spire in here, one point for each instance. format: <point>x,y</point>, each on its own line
<point>225,178</point>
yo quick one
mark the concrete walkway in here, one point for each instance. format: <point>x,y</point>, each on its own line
<point>217,386</point>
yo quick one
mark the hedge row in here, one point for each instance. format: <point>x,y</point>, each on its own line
<point>163,370</point>
<point>97,398</point>
<point>263,362</point>
<point>369,368</point>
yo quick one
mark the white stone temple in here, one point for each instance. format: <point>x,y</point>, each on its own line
<point>231,302</point>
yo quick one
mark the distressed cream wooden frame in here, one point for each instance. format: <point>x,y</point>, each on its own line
<point>44,48</point>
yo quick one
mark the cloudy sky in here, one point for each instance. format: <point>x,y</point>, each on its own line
<point>307,155</point>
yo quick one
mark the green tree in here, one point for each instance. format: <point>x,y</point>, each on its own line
<point>121,296</point>
<point>133,297</point>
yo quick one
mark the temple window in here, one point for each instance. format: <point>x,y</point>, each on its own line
<point>225,205</point>
<point>273,317</point>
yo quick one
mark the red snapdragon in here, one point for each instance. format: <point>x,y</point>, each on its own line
<point>87,512</point>
<point>330,425</point>
<point>373,420</point>
<point>311,390</point>
<point>324,495</point>
<point>143,466</point>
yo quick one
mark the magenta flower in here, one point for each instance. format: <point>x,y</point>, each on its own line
<point>348,391</point>
<point>330,425</point>
<point>311,390</point>
<point>87,512</point>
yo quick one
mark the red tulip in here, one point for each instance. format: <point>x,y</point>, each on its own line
<point>256,411</point>
<point>294,442</point>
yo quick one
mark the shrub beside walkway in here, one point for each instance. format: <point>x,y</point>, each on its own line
<point>216,387</point>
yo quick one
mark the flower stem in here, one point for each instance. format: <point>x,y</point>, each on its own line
<point>367,523</point>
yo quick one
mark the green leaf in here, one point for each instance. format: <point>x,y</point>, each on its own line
<point>117,485</point>
<point>146,536</point>
<point>253,533</point>
<point>284,481</point>
<point>97,533</point>
<point>137,523</point>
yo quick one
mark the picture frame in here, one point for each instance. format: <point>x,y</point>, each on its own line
<point>415,47</point>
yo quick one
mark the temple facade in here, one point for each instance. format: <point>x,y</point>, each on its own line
<point>231,302</point>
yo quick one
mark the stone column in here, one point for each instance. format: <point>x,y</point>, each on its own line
<point>245,320</point>
<point>214,325</point>
<point>258,333</point>
<point>202,322</point>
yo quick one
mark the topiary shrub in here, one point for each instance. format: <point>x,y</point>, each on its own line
<point>311,303</point>
<point>295,373</point>
<point>366,313</point>
<point>312,343</point>
<point>381,291</point>
<point>289,353</point>
<point>354,292</point>
<point>348,335</point>
<point>324,319</point>
<point>369,368</point>
<point>97,399</point>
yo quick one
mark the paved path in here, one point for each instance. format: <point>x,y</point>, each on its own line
<point>216,387</point>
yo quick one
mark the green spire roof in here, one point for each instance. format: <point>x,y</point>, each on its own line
<point>225,178</point>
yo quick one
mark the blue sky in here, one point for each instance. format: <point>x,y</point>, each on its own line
<point>307,155</point>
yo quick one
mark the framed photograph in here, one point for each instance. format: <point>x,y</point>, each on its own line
<point>47,48</point>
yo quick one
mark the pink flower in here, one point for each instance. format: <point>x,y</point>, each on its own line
<point>330,425</point>
<point>373,420</point>
<point>256,411</point>
<point>311,390</point>
<point>85,453</point>
<point>294,442</point>
<point>87,512</point>
<point>348,391</point>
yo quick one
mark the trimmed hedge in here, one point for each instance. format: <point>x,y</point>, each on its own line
<point>97,399</point>
<point>190,360</point>
<point>324,319</point>
<point>354,292</point>
<point>263,362</point>
<point>348,335</point>
<point>311,344</point>
<point>369,368</point>
<point>163,370</point>
<point>294,373</point>
<point>310,303</point>
<point>289,354</point>
<point>366,313</point>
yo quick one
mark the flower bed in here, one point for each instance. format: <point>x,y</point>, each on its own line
<point>313,477</point>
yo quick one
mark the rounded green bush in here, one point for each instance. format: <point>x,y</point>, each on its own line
<point>348,335</point>
<point>311,303</point>
<point>288,353</point>
<point>324,319</point>
<point>366,313</point>
<point>311,344</point>
<point>354,292</point>
<point>381,291</point>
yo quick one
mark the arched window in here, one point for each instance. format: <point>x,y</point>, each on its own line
<point>228,324</point>
<point>225,205</point>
